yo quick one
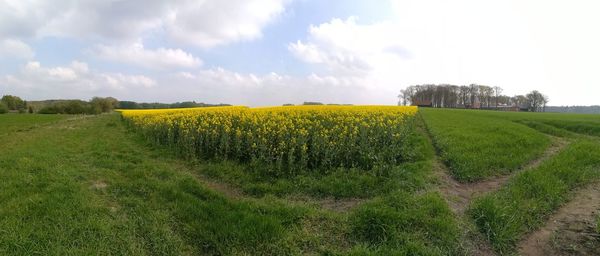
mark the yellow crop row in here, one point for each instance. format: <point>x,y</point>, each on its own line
<point>287,140</point>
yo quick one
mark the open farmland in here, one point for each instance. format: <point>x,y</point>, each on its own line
<point>299,180</point>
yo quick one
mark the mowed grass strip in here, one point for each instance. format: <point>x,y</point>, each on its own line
<point>525,202</point>
<point>24,122</point>
<point>475,146</point>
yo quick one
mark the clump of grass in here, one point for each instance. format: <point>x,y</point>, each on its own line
<point>476,146</point>
<point>506,215</point>
<point>404,223</point>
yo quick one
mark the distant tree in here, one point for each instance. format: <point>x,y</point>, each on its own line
<point>545,99</point>
<point>536,101</point>
<point>127,105</point>
<point>30,110</point>
<point>3,108</point>
<point>452,96</point>
<point>13,102</point>
<point>103,105</point>
<point>308,103</point>
<point>497,94</point>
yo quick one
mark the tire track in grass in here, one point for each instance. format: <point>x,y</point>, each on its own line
<point>570,230</point>
<point>461,194</point>
<point>231,191</point>
<point>449,188</point>
<point>328,203</point>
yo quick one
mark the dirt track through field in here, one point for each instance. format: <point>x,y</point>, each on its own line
<point>570,230</point>
<point>460,194</point>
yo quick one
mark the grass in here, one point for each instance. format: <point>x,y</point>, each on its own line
<point>95,190</point>
<point>574,123</point>
<point>390,223</point>
<point>21,123</point>
<point>523,204</point>
<point>78,186</point>
<point>476,146</point>
<point>88,186</point>
<point>547,129</point>
<point>598,224</point>
<point>587,128</point>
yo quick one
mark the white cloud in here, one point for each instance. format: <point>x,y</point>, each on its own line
<point>346,47</point>
<point>212,23</point>
<point>12,48</point>
<point>136,54</point>
<point>76,80</point>
<point>205,23</point>
<point>518,45</point>
<point>219,85</point>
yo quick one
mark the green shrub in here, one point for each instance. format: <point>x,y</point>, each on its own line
<point>3,109</point>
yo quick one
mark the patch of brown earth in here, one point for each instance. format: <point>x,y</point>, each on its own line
<point>221,187</point>
<point>98,185</point>
<point>570,230</point>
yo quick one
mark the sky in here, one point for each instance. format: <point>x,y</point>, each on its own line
<point>272,52</point>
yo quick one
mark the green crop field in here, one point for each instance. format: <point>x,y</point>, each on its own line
<point>438,182</point>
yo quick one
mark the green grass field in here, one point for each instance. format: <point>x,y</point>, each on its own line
<point>92,186</point>
<point>476,147</point>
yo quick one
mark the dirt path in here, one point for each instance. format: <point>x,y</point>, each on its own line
<point>460,194</point>
<point>570,230</point>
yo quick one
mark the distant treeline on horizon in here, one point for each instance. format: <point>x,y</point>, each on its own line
<point>156,105</point>
<point>574,109</point>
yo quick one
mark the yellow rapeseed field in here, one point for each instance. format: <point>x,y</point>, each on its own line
<point>286,139</point>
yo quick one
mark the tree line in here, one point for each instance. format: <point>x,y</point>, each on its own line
<point>470,96</point>
<point>96,105</point>
<point>156,105</point>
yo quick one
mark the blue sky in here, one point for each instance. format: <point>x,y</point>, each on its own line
<point>270,52</point>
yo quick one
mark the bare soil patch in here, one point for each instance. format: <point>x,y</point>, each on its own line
<point>98,185</point>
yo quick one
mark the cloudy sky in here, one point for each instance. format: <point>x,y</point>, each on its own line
<point>270,52</point>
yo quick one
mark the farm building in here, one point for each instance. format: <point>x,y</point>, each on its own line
<point>423,103</point>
